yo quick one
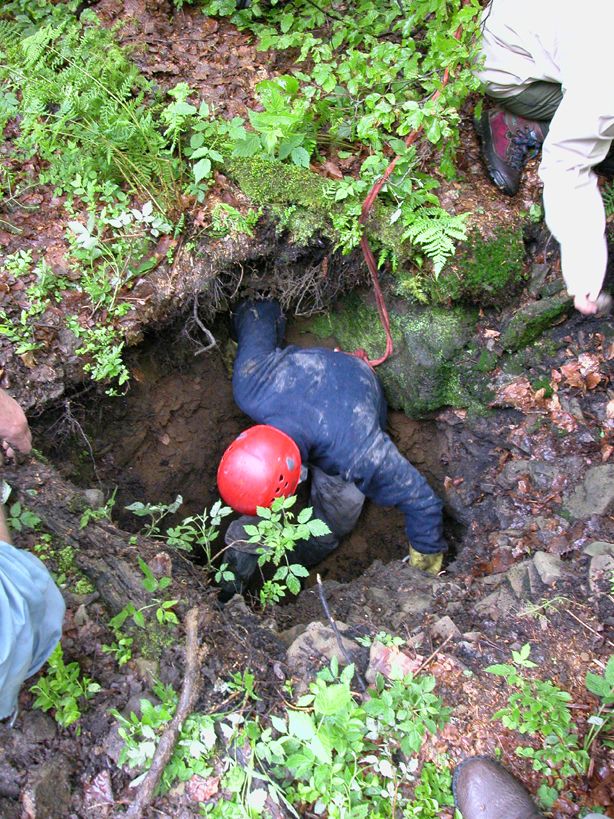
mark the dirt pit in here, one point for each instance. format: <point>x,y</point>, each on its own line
<point>166,435</point>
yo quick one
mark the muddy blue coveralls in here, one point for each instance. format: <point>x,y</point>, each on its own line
<point>332,405</point>
<point>31,615</point>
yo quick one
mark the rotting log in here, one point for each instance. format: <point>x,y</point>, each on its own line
<point>104,553</point>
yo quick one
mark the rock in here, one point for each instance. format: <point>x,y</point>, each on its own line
<point>147,670</point>
<point>595,495</point>
<point>38,727</point>
<point>289,635</point>
<point>81,615</point>
<point>445,628</point>
<point>524,579</point>
<point>600,571</point>
<point>549,567</point>
<point>380,597</point>
<point>318,642</point>
<point>530,321</point>
<point>94,497</point>
<point>496,605</point>
<point>47,793</point>
<point>415,604</point>
<point>423,375</point>
<point>599,547</point>
<point>542,473</point>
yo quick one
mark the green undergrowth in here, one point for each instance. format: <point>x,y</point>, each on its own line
<point>327,752</point>
<point>334,752</point>
<point>112,143</point>
<point>131,161</point>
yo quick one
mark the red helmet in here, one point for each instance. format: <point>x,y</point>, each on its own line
<point>262,464</point>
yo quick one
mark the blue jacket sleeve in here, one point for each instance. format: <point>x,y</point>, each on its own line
<point>31,616</point>
<point>387,478</point>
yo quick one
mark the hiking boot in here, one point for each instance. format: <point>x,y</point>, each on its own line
<point>483,789</point>
<point>507,143</point>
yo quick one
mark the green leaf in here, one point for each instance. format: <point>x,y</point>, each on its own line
<point>300,157</point>
<point>202,169</point>
<point>301,725</point>
<point>248,146</point>
<point>332,699</point>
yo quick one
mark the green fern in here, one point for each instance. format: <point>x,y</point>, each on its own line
<point>83,109</point>
<point>435,232</point>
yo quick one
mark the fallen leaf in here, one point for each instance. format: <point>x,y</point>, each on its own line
<point>332,169</point>
<point>391,662</point>
<point>200,789</point>
<point>609,410</point>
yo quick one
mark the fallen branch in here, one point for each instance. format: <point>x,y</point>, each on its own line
<point>187,698</point>
<point>333,625</point>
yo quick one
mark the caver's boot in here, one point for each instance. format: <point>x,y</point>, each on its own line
<point>507,142</point>
<point>241,557</point>
<point>483,789</point>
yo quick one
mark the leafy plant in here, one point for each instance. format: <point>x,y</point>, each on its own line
<point>62,688</point>
<point>142,733</point>
<point>277,535</point>
<point>327,754</point>
<point>601,723</point>
<point>382,637</point>
<point>539,708</point>
<point>82,107</point>
<point>226,220</point>
<point>102,513</point>
<point>20,518</point>
<point>156,511</point>
<point>165,617</point>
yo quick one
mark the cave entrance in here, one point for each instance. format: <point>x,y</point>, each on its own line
<point>166,435</point>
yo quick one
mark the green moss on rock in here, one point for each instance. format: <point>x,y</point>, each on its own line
<point>424,374</point>
<point>484,271</point>
<point>529,322</point>
<point>296,196</point>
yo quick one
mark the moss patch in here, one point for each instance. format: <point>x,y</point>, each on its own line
<point>296,196</point>
<point>529,323</point>
<point>484,271</point>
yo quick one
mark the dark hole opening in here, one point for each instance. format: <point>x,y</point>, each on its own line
<point>167,434</point>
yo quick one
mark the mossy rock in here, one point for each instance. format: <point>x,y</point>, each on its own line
<point>427,370</point>
<point>485,271</point>
<point>295,196</point>
<point>529,322</point>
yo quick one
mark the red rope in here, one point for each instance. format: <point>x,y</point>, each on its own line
<point>364,242</point>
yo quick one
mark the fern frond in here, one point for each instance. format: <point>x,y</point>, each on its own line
<point>435,231</point>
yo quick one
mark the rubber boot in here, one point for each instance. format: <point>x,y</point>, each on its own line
<point>507,143</point>
<point>483,789</point>
<point>241,557</point>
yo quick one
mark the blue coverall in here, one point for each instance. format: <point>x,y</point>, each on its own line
<point>31,615</point>
<point>333,406</point>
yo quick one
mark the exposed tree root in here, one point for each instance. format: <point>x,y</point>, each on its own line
<point>194,656</point>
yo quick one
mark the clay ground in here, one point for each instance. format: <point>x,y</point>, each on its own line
<point>505,478</point>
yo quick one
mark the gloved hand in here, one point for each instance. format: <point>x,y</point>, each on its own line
<point>428,563</point>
